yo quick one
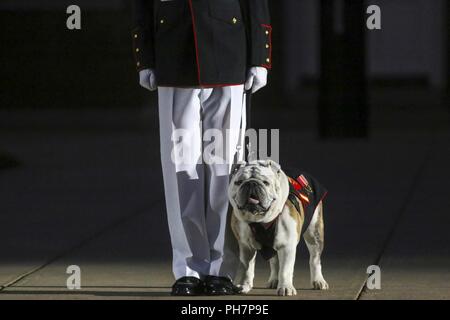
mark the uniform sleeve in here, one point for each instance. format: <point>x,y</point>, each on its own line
<point>259,32</point>
<point>142,34</point>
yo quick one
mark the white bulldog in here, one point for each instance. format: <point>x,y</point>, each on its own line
<point>258,193</point>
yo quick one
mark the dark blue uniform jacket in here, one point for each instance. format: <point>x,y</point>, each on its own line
<point>204,43</point>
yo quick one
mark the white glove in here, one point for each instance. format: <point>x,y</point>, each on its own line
<point>147,79</point>
<point>256,79</point>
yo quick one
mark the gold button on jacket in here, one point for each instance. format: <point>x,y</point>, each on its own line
<point>201,42</point>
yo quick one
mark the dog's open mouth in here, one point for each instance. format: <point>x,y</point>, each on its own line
<point>252,197</point>
<point>254,206</point>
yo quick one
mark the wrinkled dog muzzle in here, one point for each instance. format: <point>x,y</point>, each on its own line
<point>252,197</point>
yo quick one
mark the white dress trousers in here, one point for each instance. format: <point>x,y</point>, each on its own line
<point>196,186</point>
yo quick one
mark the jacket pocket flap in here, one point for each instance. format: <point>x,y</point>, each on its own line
<point>228,11</point>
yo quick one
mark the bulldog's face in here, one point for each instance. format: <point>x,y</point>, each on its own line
<point>258,191</point>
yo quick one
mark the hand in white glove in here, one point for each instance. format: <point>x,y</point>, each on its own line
<point>256,79</point>
<point>147,79</point>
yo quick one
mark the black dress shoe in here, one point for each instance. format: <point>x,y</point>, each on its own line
<point>188,286</point>
<point>220,286</point>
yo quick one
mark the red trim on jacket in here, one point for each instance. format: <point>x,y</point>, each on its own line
<point>220,85</point>
<point>195,41</point>
<point>203,86</point>
<point>268,65</point>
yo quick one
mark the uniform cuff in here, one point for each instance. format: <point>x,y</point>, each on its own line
<point>267,46</point>
<point>143,55</point>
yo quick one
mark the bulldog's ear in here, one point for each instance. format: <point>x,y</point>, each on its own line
<point>263,163</point>
<point>236,167</point>
<point>275,166</point>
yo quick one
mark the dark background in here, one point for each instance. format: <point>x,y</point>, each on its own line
<point>44,65</point>
<point>367,112</point>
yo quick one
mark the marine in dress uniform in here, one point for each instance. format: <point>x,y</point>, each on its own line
<point>201,55</point>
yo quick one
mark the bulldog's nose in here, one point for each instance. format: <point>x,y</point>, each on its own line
<point>252,194</point>
<point>251,185</point>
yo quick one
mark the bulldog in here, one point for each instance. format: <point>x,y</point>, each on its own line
<point>269,210</point>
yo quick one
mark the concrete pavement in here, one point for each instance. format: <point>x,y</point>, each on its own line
<point>94,198</point>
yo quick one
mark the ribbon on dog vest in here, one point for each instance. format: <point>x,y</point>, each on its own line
<point>303,189</point>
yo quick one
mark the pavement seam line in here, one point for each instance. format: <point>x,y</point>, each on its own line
<point>79,245</point>
<point>401,213</point>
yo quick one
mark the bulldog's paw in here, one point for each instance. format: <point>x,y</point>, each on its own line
<point>245,288</point>
<point>272,284</point>
<point>287,290</point>
<point>320,284</point>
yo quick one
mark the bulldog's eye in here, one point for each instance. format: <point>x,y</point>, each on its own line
<point>238,183</point>
<point>267,183</point>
